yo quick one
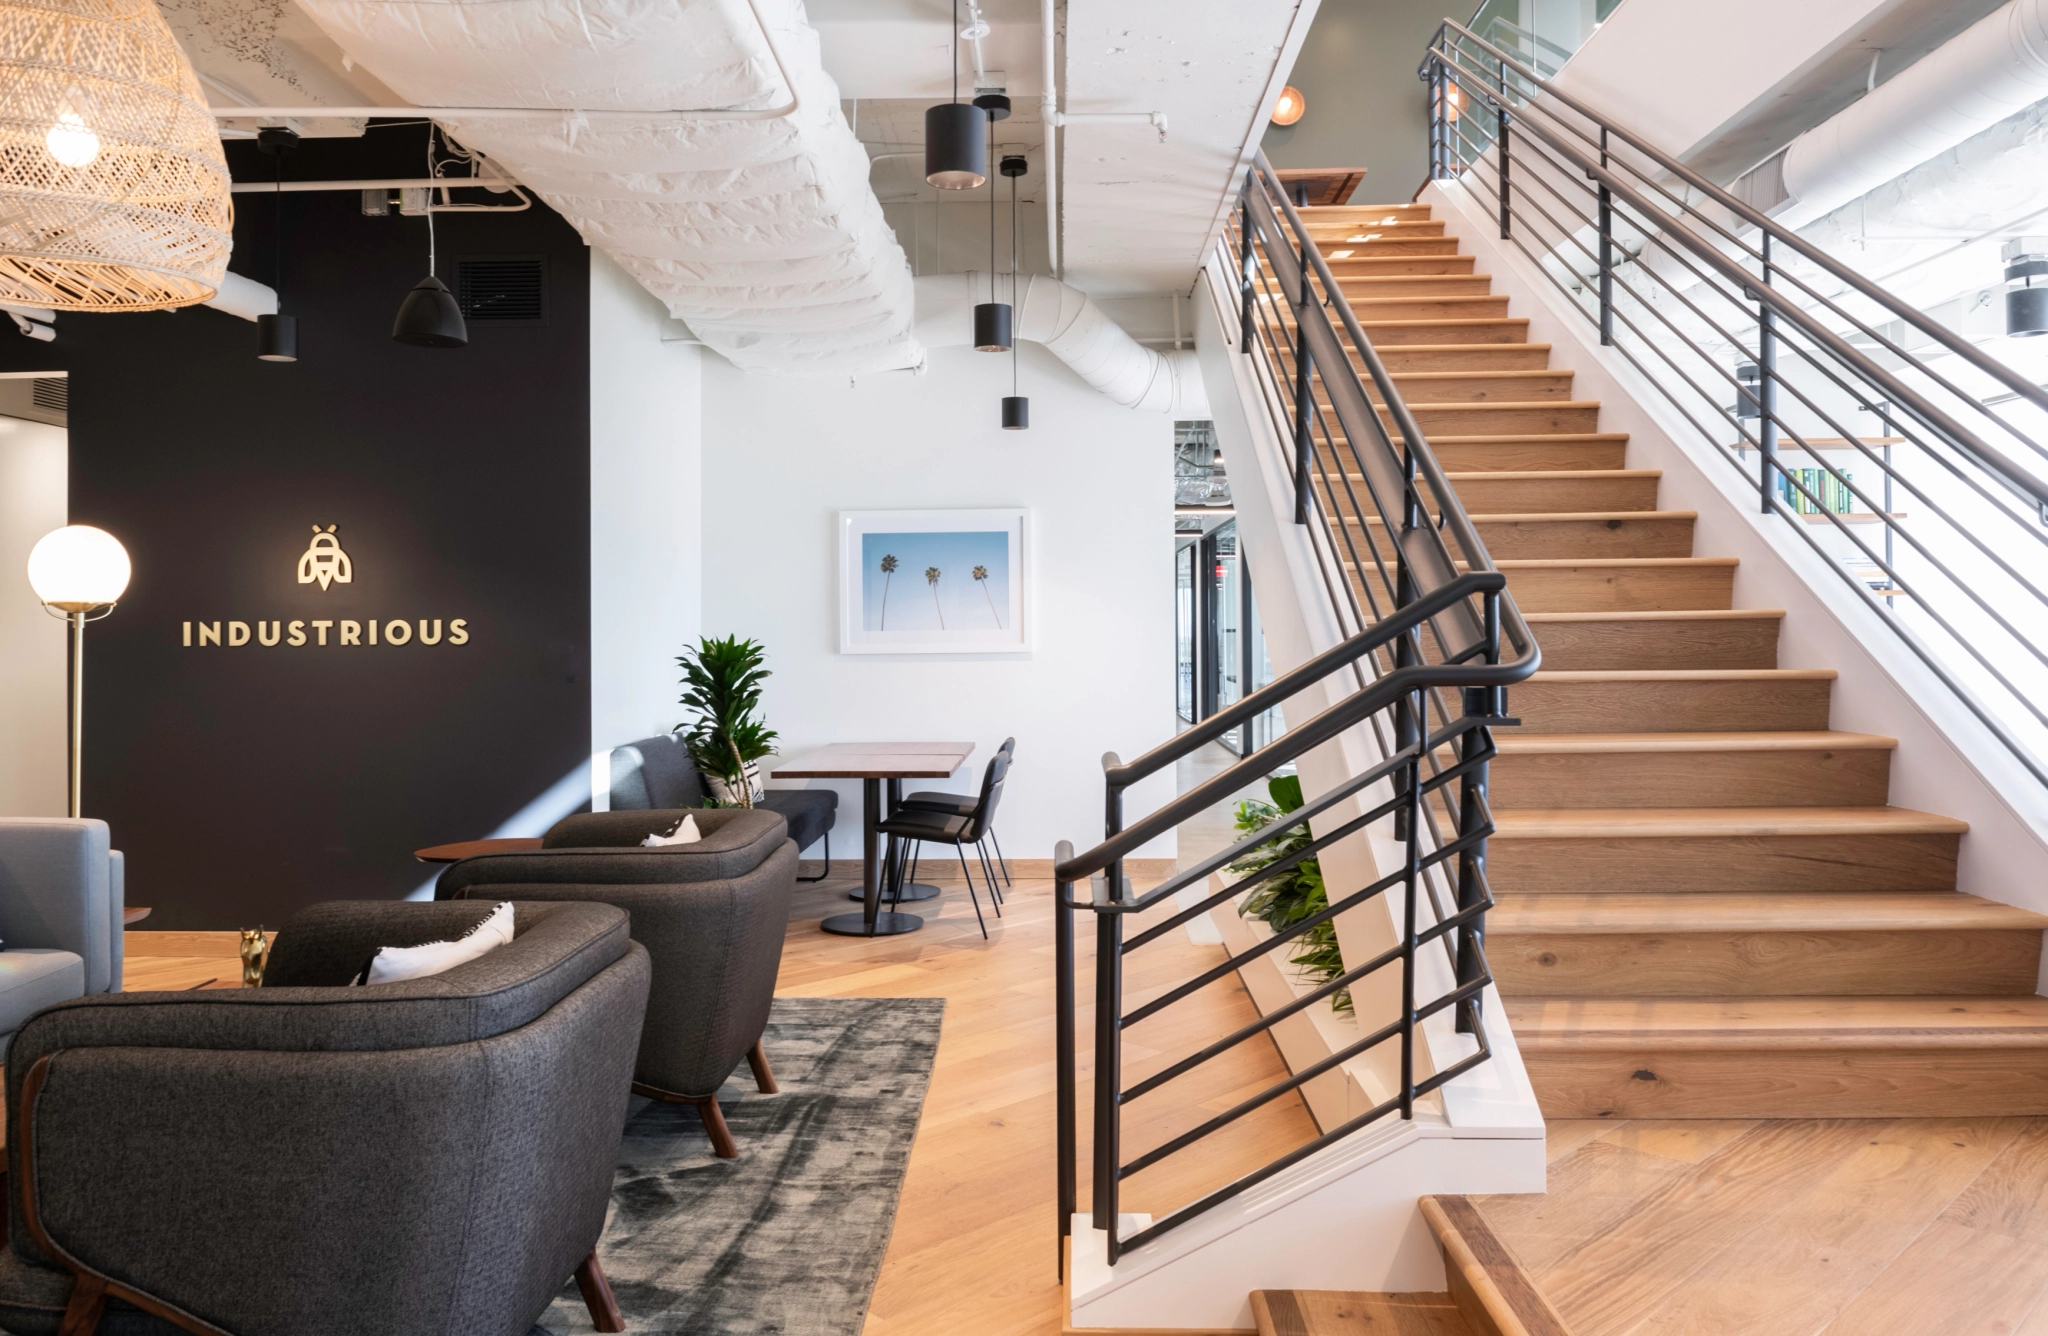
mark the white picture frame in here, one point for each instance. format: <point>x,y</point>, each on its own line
<point>953,582</point>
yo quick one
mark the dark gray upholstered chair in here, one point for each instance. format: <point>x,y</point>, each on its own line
<point>308,1158</point>
<point>962,804</point>
<point>907,828</point>
<point>656,773</point>
<point>712,916</point>
<point>60,914</point>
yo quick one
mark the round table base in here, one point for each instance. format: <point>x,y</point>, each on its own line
<point>912,890</point>
<point>886,925</point>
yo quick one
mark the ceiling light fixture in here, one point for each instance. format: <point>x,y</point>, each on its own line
<point>1016,408</point>
<point>277,334</point>
<point>992,318</point>
<point>429,317</point>
<point>1290,106</point>
<point>113,188</point>
<point>955,158</point>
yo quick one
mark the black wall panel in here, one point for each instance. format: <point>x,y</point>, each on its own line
<point>244,781</point>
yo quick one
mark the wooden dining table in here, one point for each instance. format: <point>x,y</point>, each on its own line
<point>876,764</point>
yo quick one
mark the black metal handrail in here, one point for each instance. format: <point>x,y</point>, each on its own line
<point>1749,331</point>
<point>1431,640</point>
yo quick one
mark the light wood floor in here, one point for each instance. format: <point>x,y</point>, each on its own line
<point>1790,1227</point>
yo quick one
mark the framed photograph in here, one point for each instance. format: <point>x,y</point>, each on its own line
<point>933,582</point>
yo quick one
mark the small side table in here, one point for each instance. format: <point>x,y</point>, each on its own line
<point>461,849</point>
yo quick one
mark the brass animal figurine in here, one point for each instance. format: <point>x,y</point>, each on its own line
<point>255,955</point>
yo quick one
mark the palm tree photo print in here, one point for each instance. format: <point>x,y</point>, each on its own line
<point>978,604</point>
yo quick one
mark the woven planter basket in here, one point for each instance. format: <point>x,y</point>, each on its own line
<point>145,224</point>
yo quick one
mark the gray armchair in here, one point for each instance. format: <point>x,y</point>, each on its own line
<point>320,1160</point>
<point>712,916</point>
<point>655,774</point>
<point>61,896</point>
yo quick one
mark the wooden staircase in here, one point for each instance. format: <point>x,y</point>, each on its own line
<point>1706,906</point>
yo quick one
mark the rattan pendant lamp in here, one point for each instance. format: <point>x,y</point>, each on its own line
<point>113,189</point>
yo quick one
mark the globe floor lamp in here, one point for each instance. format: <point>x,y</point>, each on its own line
<point>79,573</point>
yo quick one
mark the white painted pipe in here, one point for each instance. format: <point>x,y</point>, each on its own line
<point>244,297</point>
<point>1049,116</point>
<point>1075,330</point>
<point>1991,70</point>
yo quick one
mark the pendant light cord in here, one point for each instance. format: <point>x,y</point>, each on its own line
<point>430,195</point>
<point>991,214</point>
<point>956,50</point>
<point>277,270</point>
<point>1014,336</point>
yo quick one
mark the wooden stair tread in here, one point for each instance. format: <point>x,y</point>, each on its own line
<point>1550,475</point>
<point>1680,674</point>
<point>1345,1313</point>
<point>1521,742</point>
<point>1486,1279</point>
<point>1557,516</point>
<point>1524,437</point>
<point>1499,405</point>
<point>1667,912</point>
<point>1567,563</point>
<point>1593,823</point>
<point>1589,1024</point>
<point>1692,614</point>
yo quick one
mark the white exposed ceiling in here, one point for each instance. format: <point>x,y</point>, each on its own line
<point>1140,214</point>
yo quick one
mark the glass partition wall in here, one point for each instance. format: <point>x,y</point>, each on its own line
<point>1221,647</point>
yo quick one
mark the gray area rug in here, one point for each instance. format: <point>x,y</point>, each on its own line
<point>788,1238</point>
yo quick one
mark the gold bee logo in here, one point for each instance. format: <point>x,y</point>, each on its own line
<point>324,560</point>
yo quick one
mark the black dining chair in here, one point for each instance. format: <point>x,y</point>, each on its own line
<point>962,804</point>
<point>909,828</point>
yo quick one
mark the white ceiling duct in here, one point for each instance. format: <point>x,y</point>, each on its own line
<point>761,233</point>
<point>1994,68</point>
<point>1075,330</point>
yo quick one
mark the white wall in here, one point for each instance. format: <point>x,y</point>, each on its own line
<point>34,491</point>
<point>646,512</point>
<point>782,456</point>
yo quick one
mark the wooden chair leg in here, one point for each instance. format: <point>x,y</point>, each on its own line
<point>764,1079</point>
<point>597,1296</point>
<point>722,1144</point>
<point>88,1302</point>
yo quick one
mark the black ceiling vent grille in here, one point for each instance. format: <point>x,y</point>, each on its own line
<point>503,289</point>
<point>52,394</point>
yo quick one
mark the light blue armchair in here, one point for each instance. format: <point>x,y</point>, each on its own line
<point>61,895</point>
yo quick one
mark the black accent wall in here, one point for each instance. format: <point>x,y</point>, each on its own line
<point>245,781</point>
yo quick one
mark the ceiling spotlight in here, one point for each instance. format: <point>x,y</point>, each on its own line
<point>1290,107</point>
<point>954,155</point>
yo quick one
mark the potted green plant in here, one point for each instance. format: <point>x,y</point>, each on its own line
<point>1288,897</point>
<point>728,737</point>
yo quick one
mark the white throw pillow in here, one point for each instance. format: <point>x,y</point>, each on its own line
<point>393,964</point>
<point>686,832</point>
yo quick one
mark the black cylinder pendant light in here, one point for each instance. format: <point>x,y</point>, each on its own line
<point>277,335</point>
<point>1016,408</point>
<point>429,316</point>
<point>992,318</point>
<point>954,158</point>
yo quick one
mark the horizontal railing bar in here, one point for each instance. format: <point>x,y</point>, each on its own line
<point>1302,1003</point>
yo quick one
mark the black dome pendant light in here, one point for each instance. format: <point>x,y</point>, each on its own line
<point>429,317</point>
<point>954,156</point>
<point>992,318</point>
<point>277,334</point>
<point>1016,408</point>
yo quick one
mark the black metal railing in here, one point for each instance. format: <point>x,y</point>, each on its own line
<point>1431,642</point>
<point>1908,474</point>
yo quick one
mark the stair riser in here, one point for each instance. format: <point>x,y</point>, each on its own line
<point>1671,706</point>
<point>1388,246</point>
<point>1528,456</point>
<point>1540,540</point>
<point>1499,419</point>
<point>1550,496</point>
<point>1480,389</point>
<point>1622,589</point>
<point>1395,333</point>
<point>1819,1083</point>
<point>1337,233</point>
<point>1864,862</point>
<point>1658,645</point>
<point>1394,265</point>
<point>1845,777</point>
<point>1369,309</point>
<point>1814,963</point>
<point>1366,287</point>
<point>1463,357</point>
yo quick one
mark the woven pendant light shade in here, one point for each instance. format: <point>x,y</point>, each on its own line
<point>113,189</point>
